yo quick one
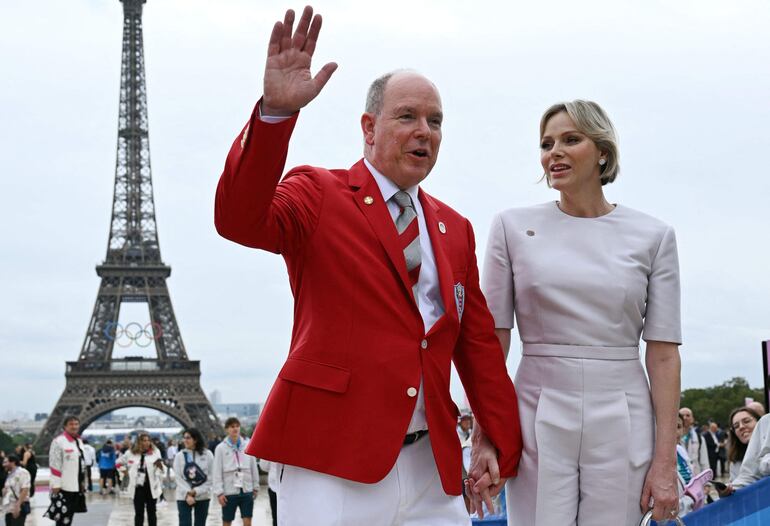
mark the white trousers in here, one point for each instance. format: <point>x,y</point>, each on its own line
<point>588,434</point>
<point>410,495</point>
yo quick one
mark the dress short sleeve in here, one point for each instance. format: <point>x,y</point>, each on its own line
<point>662,320</point>
<point>497,278</point>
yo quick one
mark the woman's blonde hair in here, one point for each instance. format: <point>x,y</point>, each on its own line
<point>136,449</point>
<point>592,121</point>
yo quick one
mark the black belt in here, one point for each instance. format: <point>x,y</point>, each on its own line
<point>411,438</point>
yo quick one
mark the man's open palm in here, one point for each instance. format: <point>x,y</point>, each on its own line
<point>289,84</point>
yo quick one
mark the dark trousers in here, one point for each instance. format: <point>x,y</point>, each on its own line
<point>273,505</point>
<point>143,499</point>
<point>89,483</point>
<point>186,512</point>
<point>18,521</point>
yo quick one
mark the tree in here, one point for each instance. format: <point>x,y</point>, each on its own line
<point>6,442</point>
<point>716,403</point>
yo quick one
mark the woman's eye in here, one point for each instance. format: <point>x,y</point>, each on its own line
<point>573,140</point>
<point>545,145</point>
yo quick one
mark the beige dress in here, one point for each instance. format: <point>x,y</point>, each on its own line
<point>583,291</point>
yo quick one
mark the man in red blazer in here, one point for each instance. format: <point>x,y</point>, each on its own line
<point>386,293</point>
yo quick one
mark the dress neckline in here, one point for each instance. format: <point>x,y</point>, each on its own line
<point>561,212</point>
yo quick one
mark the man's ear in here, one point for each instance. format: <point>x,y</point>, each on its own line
<point>367,127</point>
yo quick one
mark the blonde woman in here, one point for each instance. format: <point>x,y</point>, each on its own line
<point>585,279</point>
<point>144,464</point>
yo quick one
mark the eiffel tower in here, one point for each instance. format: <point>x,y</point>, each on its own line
<point>133,271</point>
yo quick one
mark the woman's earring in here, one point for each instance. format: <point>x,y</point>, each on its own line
<point>602,162</point>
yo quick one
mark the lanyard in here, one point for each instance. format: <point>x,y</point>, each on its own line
<point>236,448</point>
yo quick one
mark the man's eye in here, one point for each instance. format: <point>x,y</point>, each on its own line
<point>436,123</point>
<point>405,116</point>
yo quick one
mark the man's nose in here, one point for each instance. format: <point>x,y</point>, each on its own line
<point>422,130</point>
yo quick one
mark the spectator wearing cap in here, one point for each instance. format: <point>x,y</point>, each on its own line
<point>465,426</point>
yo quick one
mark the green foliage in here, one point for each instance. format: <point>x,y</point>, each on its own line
<point>716,403</point>
<point>6,442</point>
<point>24,438</point>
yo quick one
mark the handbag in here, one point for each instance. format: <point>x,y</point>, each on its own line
<point>192,472</point>
<point>57,509</point>
<point>25,508</point>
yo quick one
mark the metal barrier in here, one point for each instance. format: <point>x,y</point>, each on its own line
<point>749,506</point>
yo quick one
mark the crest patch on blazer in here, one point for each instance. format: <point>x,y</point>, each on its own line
<point>460,299</point>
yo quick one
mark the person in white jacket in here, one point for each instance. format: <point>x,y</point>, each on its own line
<point>65,460</point>
<point>144,464</point>
<point>192,470</point>
<point>756,461</point>
<point>273,470</point>
<point>236,476</point>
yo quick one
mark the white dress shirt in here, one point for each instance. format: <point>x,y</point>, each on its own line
<point>428,292</point>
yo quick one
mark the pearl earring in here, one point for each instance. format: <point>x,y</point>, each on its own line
<point>602,162</point>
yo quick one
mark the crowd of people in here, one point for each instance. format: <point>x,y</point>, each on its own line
<point>141,470</point>
<point>728,457</point>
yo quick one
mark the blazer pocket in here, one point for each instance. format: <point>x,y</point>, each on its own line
<point>315,374</point>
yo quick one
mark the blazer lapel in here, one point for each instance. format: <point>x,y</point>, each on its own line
<point>368,197</point>
<point>432,218</point>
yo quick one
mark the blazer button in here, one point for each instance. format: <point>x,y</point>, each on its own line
<point>411,392</point>
<point>424,344</point>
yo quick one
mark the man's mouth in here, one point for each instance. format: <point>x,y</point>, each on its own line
<point>420,152</point>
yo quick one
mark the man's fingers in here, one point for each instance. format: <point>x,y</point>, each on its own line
<point>482,483</point>
<point>494,470</point>
<point>288,22</point>
<point>323,76</point>
<point>298,40</point>
<point>312,35</point>
<point>274,47</point>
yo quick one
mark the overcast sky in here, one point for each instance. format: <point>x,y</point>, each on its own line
<point>686,83</point>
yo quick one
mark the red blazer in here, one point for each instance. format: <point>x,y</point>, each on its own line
<point>340,403</point>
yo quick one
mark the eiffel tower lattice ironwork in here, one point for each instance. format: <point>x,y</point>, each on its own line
<point>133,271</point>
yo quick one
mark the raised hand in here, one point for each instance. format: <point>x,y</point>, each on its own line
<point>289,85</point>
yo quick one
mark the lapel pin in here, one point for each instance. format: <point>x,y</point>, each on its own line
<point>441,227</point>
<point>530,233</point>
<point>368,200</point>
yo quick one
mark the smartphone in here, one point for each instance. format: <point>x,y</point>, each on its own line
<point>719,486</point>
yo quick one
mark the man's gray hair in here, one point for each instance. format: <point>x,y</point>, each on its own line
<point>376,94</point>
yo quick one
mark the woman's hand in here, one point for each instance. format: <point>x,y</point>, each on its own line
<point>660,491</point>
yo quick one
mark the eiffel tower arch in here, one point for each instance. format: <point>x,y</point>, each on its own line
<point>133,271</point>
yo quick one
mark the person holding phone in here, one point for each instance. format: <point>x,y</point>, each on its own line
<point>145,468</point>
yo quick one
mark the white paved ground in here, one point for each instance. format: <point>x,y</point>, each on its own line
<point>119,511</point>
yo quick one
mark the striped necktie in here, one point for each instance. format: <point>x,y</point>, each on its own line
<point>409,236</point>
